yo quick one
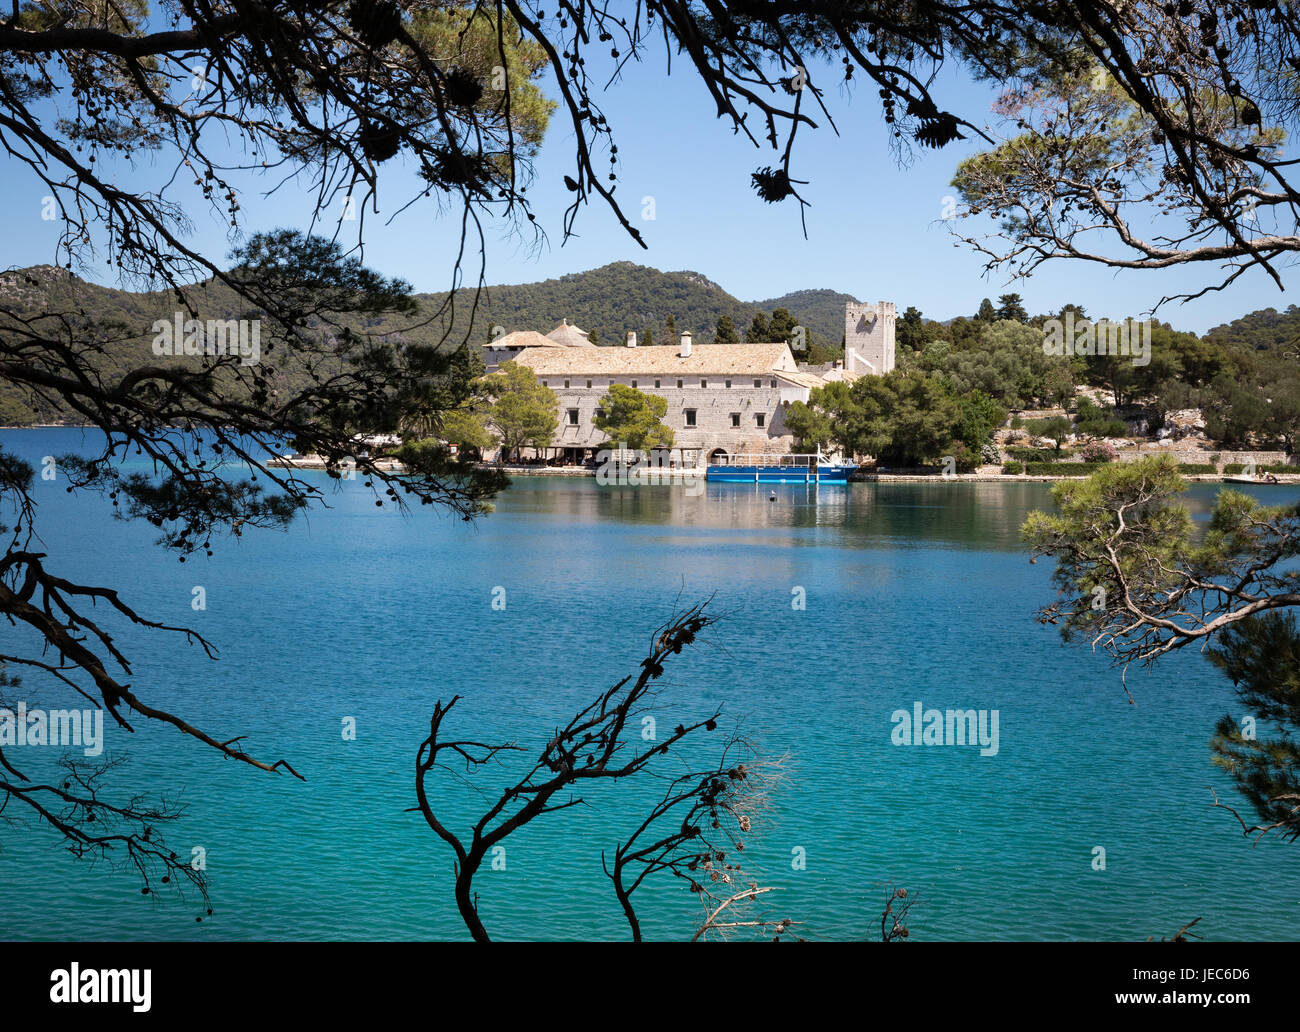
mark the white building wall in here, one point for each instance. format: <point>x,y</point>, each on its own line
<point>869,334</point>
<point>713,405</point>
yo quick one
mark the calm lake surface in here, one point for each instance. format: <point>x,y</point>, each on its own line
<point>914,593</point>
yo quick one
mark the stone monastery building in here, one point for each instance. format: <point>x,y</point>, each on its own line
<point>723,399</point>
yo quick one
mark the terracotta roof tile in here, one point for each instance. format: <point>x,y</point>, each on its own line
<point>717,359</point>
<point>570,336</point>
<point>803,379</point>
<point>523,339</point>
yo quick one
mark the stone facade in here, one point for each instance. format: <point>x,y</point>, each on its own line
<point>740,419</point>
<point>869,338</point>
<point>723,399</point>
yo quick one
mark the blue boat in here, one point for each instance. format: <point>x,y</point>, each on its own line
<point>777,469</point>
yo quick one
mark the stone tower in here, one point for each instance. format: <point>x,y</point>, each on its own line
<point>869,338</point>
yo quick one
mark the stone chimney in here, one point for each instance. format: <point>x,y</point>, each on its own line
<point>686,344</point>
<point>631,338</point>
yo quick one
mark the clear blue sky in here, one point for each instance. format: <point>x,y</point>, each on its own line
<point>874,229</point>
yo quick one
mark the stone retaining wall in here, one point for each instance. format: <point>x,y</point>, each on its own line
<point>1201,455</point>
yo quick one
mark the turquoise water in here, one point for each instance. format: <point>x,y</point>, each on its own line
<point>915,592</point>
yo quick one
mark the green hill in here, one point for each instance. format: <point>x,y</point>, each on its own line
<point>1267,330</point>
<point>822,311</point>
<point>113,326</point>
<point>624,296</point>
<point>610,301</point>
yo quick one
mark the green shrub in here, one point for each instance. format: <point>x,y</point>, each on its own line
<point>1055,428</point>
<point>1086,410</point>
<point>1035,454</point>
<point>965,459</point>
<point>1013,468</point>
<point>1062,469</point>
<point>1098,422</point>
<point>1109,428</point>
<point>1017,423</point>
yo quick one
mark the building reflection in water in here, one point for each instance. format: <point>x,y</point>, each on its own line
<point>973,515</point>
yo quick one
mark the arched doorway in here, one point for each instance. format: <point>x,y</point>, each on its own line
<point>718,457</point>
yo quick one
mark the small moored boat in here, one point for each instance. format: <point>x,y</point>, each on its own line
<point>777,469</point>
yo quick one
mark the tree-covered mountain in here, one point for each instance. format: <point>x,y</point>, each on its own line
<point>1265,330</point>
<point>113,331</point>
<point>822,311</point>
<point>625,296</point>
<point>608,301</point>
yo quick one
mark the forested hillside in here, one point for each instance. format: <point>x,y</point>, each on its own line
<point>624,296</point>
<point>608,301</point>
<point>1244,375</point>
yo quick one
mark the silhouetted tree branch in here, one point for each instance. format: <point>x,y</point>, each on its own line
<point>696,832</point>
<point>602,743</point>
<point>893,919</point>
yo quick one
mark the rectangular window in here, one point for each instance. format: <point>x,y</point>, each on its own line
<point>588,383</point>
<point>544,383</point>
<point>758,383</point>
<point>735,419</point>
<point>679,384</point>
<point>573,417</point>
<point>634,385</point>
<point>690,417</point>
<point>566,384</point>
<point>728,383</point>
<point>771,383</point>
<point>656,384</point>
<point>704,383</point>
<point>760,418</point>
